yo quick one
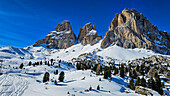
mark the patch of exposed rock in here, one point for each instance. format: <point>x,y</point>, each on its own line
<point>143,91</point>
<point>63,37</point>
<point>131,29</point>
<point>88,35</point>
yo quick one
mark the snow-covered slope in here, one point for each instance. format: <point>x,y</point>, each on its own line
<point>23,82</point>
<point>114,52</point>
<point>41,52</point>
<point>12,85</point>
<point>12,52</point>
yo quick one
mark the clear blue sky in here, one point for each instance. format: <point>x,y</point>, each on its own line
<point>23,22</point>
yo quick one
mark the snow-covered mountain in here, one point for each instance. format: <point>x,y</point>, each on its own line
<point>61,38</point>
<point>129,30</point>
<point>132,29</point>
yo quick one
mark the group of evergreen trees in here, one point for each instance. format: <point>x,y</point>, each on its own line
<point>156,84</point>
<point>47,76</point>
<point>83,66</point>
<point>153,83</point>
<point>49,63</point>
<point>98,88</point>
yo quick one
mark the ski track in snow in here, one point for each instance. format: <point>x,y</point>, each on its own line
<point>12,85</point>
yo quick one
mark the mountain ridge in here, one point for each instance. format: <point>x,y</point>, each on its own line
<point>129,29</point>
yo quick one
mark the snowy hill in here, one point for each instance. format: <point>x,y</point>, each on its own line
<point>12,52</point>
<point>114,52</point>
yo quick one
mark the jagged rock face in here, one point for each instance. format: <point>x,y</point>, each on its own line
<point>131,29</point>
<point>88,35</point>
<point>63,37</point>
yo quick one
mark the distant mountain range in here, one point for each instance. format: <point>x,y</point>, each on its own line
<point>130,29</point>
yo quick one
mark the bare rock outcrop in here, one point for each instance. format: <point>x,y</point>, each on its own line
<point>63,37</point>
<point>88,35</point>
<point>143,91</point>
<point>131,29</point>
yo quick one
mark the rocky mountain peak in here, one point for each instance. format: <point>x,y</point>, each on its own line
<point>63,37</point>
<point>131,29</point>
<point>64,26</point>
<point>88,35</point>
<point>83,31</point>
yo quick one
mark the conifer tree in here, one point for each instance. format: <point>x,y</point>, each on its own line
<point>122,73</point>
<point>48,63</point>
<point>131,84</point>
<point>78,66</point>
<point>143,82</point>
<point>142,68</point>
<point>158,86</point>
<point>126,69</point>
<point>109,72</point>
<point>134,74</point>
<point>116,71</point>
<point>90,88</point>
<point>56,72</point>
<point>147,69</point>
<point>21,66</point>
<point>52,61</point>
<point>40,62</point>
<point>30,63</point>
<point>130,73</point>
<point>98,87</point>
<point>46,77</point>
<point>61,77</point>
<point>137,83</point>
<point>137,68</point>
<point>105,73</point>
<point>129,67</point>
<point>151,83</point>
<point>95,67</point>
<point>45,62</point>
<point>59,61</point>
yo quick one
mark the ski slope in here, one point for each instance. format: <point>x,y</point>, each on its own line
<point>74,85</point>
<point>12,85</point>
